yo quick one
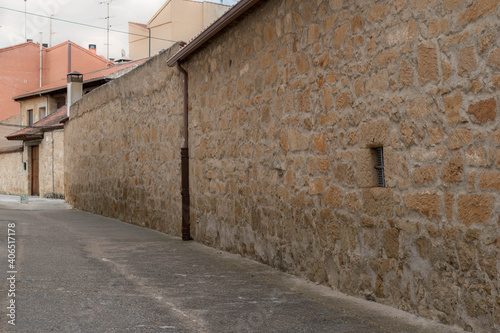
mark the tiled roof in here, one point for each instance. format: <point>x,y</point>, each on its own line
<point>51,122</point>
<point>5,49</point>
<point>106,73</point>
<point>9,150</point>
<point>142,25</point>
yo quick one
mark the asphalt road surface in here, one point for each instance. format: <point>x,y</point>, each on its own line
<point>79,272</point>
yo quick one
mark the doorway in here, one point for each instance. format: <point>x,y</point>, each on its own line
<point>35,185</point>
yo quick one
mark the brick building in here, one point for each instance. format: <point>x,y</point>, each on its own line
<point>28,66</point>
<point>36,168</point>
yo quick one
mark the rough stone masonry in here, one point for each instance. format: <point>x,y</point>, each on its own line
<point>286,109</point>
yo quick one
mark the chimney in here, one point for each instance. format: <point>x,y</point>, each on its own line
<point>45,45</point>
<point>93,48</point>
<point>75,88</point>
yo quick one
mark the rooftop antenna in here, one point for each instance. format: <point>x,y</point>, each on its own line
<point>51,32</point>
<point>25,35</point>
<point>107,2</point>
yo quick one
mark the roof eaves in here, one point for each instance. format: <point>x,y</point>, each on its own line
<point>226,19</point>
<point>9,150</point>
<point>158,12</point>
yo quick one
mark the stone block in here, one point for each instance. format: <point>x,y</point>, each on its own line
<point>356,23</point>
<point>359,87</point>
<point>495,81</point>
<point>378,202</point>
<point>466,256</point>
<point>333,196</point>
<point>378,82</point>
<point>479,9</point>
<point>424,175</point>
<point>375,134</point>
<point>466,60</point>
<point>352,202</point>
<point>318,143</point>
<point>391,242</point>
<point>406,74</point>
<point>303,63</point>
<point>452,171</point>
<point>340,34</point>
<point>377,13</point>
<point>343,100</point>
<point>453,104</point>
<point>474,208</point>
<point>459,138</point>
<point>489,180</point>
<point>426,203</point>
<point>418,108</point>
<point>451,5</point>
<point>428,70</point>
<point>297,140</point>
<point>323,164</point>
<point>316,186</point>
<point>484,111</point>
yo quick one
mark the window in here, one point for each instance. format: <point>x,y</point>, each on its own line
<point>379,166</point>
<point>30,117</point>
<point>42,113</point>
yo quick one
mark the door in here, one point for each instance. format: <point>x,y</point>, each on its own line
<point>35,171</point>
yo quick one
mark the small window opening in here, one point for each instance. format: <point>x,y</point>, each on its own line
<point>30,117</point>
<point>380,166</point>
<point>42,113</point>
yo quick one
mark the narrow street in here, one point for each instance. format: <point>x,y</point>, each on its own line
<point>79,272</point>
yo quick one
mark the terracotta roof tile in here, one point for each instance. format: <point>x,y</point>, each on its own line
<point>111,72</point>
<point>46,124</point>
<point>142,25</point>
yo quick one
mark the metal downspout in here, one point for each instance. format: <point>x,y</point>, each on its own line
<point>186,232</point>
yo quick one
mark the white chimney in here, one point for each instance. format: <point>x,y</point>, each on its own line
<point>75,88</point>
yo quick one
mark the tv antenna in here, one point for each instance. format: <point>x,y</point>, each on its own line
<point>51,32</point>
<point>107,2</point>
<point>25,24</point>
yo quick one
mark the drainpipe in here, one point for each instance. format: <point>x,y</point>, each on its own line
<point>186,233</point>
<point>41,52</point>
<point>69,57</point>
<point>149,29</point>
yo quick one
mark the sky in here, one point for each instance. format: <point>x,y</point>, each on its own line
<point>91,12</point>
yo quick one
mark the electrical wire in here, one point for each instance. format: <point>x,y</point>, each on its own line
<point>86,25</point>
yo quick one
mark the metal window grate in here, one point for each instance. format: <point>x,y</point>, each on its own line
<point>380,167</point>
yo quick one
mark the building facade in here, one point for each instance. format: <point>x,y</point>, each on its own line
<point>39,171</point>
<point>175,21</point>
<point>288,108</point>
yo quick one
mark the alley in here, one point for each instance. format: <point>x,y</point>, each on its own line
<point>79,272</point>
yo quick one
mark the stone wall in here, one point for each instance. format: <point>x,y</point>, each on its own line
<point>286,109</point>
<point>52,165</point>
<point>12,174</point>
<point>122,148</point>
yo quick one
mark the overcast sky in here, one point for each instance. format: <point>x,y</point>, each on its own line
<point>83,11</point>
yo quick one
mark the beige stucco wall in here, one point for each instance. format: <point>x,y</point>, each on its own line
<point>13,125</point>
<point>285,109</point>
<point>35,104</point>
<point>138,46</point>
<point>178,20</point>
<point>13,178</point>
